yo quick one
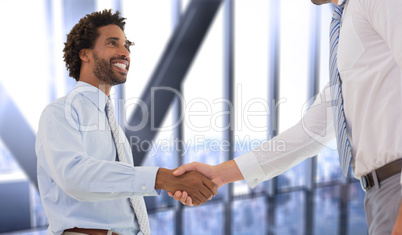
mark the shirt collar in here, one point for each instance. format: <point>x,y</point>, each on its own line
<point>96,96</point>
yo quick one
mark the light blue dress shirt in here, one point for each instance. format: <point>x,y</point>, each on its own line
<point>80,182</point>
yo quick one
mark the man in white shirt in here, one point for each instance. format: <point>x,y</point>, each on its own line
<point>370,66</point>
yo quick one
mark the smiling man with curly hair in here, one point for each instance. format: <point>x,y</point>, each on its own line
<point>83,36</point>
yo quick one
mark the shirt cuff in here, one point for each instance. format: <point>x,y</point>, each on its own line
<point>250,168</point>
<point>145,181</point>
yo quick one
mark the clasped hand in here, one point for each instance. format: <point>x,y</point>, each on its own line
<point>185,196</point>
<point>199,187</point>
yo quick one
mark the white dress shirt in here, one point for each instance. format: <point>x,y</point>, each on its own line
<point>80,182</point>
<point>370,66</point>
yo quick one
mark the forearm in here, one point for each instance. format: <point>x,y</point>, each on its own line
<point>292,146</point>
<point>224,173</point>
<point>228,172</point>
<point>107,180</point>
<point>163,177</point>
<point>85,178</point>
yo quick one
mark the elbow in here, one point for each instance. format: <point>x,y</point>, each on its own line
<point>70,181</point>
<point>75,191</point>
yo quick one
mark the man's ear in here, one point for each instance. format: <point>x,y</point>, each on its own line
<point>84,54</point>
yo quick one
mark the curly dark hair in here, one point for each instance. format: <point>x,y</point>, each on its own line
<point>83,36</point>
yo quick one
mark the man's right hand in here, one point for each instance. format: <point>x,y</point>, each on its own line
<point>220,175</point>
<point>200,188</point>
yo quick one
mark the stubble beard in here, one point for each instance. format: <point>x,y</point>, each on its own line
<point>103,71</point>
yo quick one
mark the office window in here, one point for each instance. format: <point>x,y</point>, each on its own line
<point>326,210</point>
<point>202,108</point>
<point>72,11</point>
<point>250,87</point>
<point>282,210</point>
<point>202,91</point>
<point>293,75</point>
<point>25,82</point>
<point>163,150</point>
<point>357,223</point>
<point>162,153</point>
<point>8,164</point>
<point>249,216</point>
<point>149,26</point>
<point>162,222</point>
<point>328,169</point>
<point>289,214</point>
<point>26,58</point>
<point>325,20</point>
<point>203,220</point>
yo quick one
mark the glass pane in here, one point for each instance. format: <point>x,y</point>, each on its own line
<point>150,39</point>
<point>203,101</point>
<point>294,54</point>
<point>163,150</point>
<point>149,26</point>
<point>162,223</point>
<point>326,16</point>
<point>289,214</point>
<point>328,165</point>
<point>72,12</point>
<point>25,71</point>
<point>357,223</point>
<point>8,164</point>
<point>206,219</point>
<point>326,210</point>
<point>161,153</point>
<point>250,69</point>
<point>293,177</point>
<point>249,216</point>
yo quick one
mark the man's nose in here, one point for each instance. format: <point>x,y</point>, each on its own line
<point>123,51</point>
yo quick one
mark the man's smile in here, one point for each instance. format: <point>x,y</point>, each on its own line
<point>122,65</point>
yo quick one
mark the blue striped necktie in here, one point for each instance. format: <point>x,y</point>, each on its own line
<point>342,138</point>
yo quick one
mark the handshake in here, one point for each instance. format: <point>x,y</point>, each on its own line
<point>196,183</point>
